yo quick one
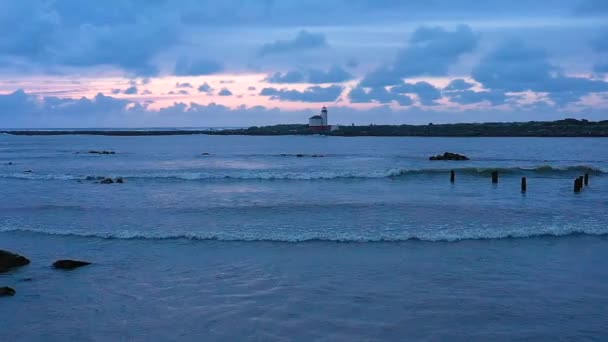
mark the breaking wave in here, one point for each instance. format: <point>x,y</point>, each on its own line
<point>436,236</point>
<point>544,170</point>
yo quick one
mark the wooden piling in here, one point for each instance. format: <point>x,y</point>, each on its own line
<point>586,179</point>
<point>494,177</point>
<point>452,176</point>
<point>581,180</point>
<point>577,185</point>
<point>524,184</point>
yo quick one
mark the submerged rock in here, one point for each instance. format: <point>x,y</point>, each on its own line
<point>301,155</point>
<point>205,154</point>
<point>108,180</point>
<point>10,260</point>
<point>6,291</point>
<point>69,264</point>
<point>101,152</point>
<point>449,156</point>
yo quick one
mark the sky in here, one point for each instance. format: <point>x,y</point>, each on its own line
<point>240,63</point>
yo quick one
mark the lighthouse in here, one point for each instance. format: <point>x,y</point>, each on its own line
<point>319,122</point>
<point>324,116</point>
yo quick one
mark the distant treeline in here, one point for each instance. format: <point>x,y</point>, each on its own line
<point>560,128</point>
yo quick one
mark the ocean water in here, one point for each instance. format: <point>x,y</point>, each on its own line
<point>300,238</point>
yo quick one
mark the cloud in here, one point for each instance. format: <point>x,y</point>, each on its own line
<point>205,88</point>
<point>224,92</point>
<point>601,67</point>
<point>183,85</point>
<point>458,84</point>
<point>198,67</point>
<point>22,110</point>
<point>335,74</point>
<point>19,109</point>
<point>352,63</point>
<point>381,77</point>
<point>360,94</point>
<point>288,77</point>
<point>130,91</point>
<point>426,92</point>
<point>251,88</point>
<point>430,52</point>
<point>304,40</point>
<point>311,94</point>
<point>593,7</point>
<point>516,67</point>
<point>600,45</point>
<point>469,97</point>
<point>179,92</point>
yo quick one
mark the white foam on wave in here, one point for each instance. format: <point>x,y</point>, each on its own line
<point>309,175</point>
<point>300,237</point>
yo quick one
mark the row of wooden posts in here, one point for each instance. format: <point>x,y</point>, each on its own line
<point>579,182</point>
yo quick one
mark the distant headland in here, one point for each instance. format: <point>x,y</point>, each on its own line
<point>559,128</point>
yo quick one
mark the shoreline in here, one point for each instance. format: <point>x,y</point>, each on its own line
<point>555,129</point>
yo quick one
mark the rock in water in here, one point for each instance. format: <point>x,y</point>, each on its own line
<point>69,264</point>
<point>119,180</point>
<point>106,181</point>
<point>101,152</point>
<point>205,154</point>
<point>449,156</point>
<point>6,291</point>
<point>10,260</point>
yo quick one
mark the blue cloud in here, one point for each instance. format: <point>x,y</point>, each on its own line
<point>381,77</point>
<point>130,91</point>
<point>601,67</point>
<point>20,109</point>
<point>179,92</point>
<point>593,7</point>
<point>288,77</point>
<point>458,84</point>
<point>600,45</point>
<point>335,74</point>
<point>224,92</point>
<point>303,41</point>
<point>378,95</point>
<point>516,67</point>
<point>430,52</point>
<point>198,67</point>
<point>205,88</point>
<point>469,97</point>
<point>311,94</point>
<point>183,85</point>
<point>427,93</point>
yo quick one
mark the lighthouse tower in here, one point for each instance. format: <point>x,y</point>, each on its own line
<point>319,122</point>
<point>324,115</point>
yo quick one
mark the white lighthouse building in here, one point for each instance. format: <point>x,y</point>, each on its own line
<point>319,122</point>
